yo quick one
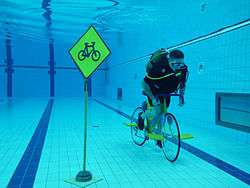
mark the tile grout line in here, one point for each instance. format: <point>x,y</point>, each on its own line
<point>222,165</point>
<point>25,173</point>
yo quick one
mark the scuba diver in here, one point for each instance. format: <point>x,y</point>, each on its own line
<point>166,73</point>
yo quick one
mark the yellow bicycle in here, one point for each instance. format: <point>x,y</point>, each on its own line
<point>162,128</point>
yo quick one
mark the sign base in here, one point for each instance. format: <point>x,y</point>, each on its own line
<point>83,176</point>
<point>73,181</point>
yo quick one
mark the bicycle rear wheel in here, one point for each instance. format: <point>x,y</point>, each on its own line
<point>171,133</point>
<point>138,136</point>
<point>82,55</point>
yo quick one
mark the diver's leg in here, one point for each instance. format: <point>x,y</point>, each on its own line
<point>140,121</point>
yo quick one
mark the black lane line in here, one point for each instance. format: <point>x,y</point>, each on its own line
<point>222,165</point>
<point>25,173</point>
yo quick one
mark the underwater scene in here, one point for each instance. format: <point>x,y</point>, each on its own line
<point>125,94</point>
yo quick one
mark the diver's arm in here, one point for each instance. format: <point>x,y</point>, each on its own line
<point>183,86</point>
<point>181,97</point>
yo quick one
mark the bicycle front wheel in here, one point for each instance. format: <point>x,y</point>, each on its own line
<point>171,133</point>
<point>96,55</point>
<point>137,134</point>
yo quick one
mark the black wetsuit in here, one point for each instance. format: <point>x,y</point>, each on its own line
<point>168,84</point>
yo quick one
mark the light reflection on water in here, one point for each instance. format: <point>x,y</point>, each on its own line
<point>39,21</point>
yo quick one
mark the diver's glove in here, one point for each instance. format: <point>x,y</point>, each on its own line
<point>181,100</point>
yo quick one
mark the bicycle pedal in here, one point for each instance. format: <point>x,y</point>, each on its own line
<point>153,136</point>
<point>130,124</point>
<point>186,136</point>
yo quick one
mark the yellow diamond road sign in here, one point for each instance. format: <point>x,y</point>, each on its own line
<point>89,52</point>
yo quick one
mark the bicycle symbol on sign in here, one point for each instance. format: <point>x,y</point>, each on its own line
<point>85,53</point>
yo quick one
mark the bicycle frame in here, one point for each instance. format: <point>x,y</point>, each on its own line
<point>87,46</point>
<point>161,115</point>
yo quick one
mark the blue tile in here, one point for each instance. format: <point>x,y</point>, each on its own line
<point>222,165</point>
<point>29,162</point>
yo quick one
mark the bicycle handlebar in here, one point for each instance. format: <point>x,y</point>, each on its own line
<point>168,95</point>
<point>164,95</point>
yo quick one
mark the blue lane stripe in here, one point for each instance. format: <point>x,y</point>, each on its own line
<point>226,167</point>
<point>222,165</point>
<point>114,109</point>
<point>25,173</point>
